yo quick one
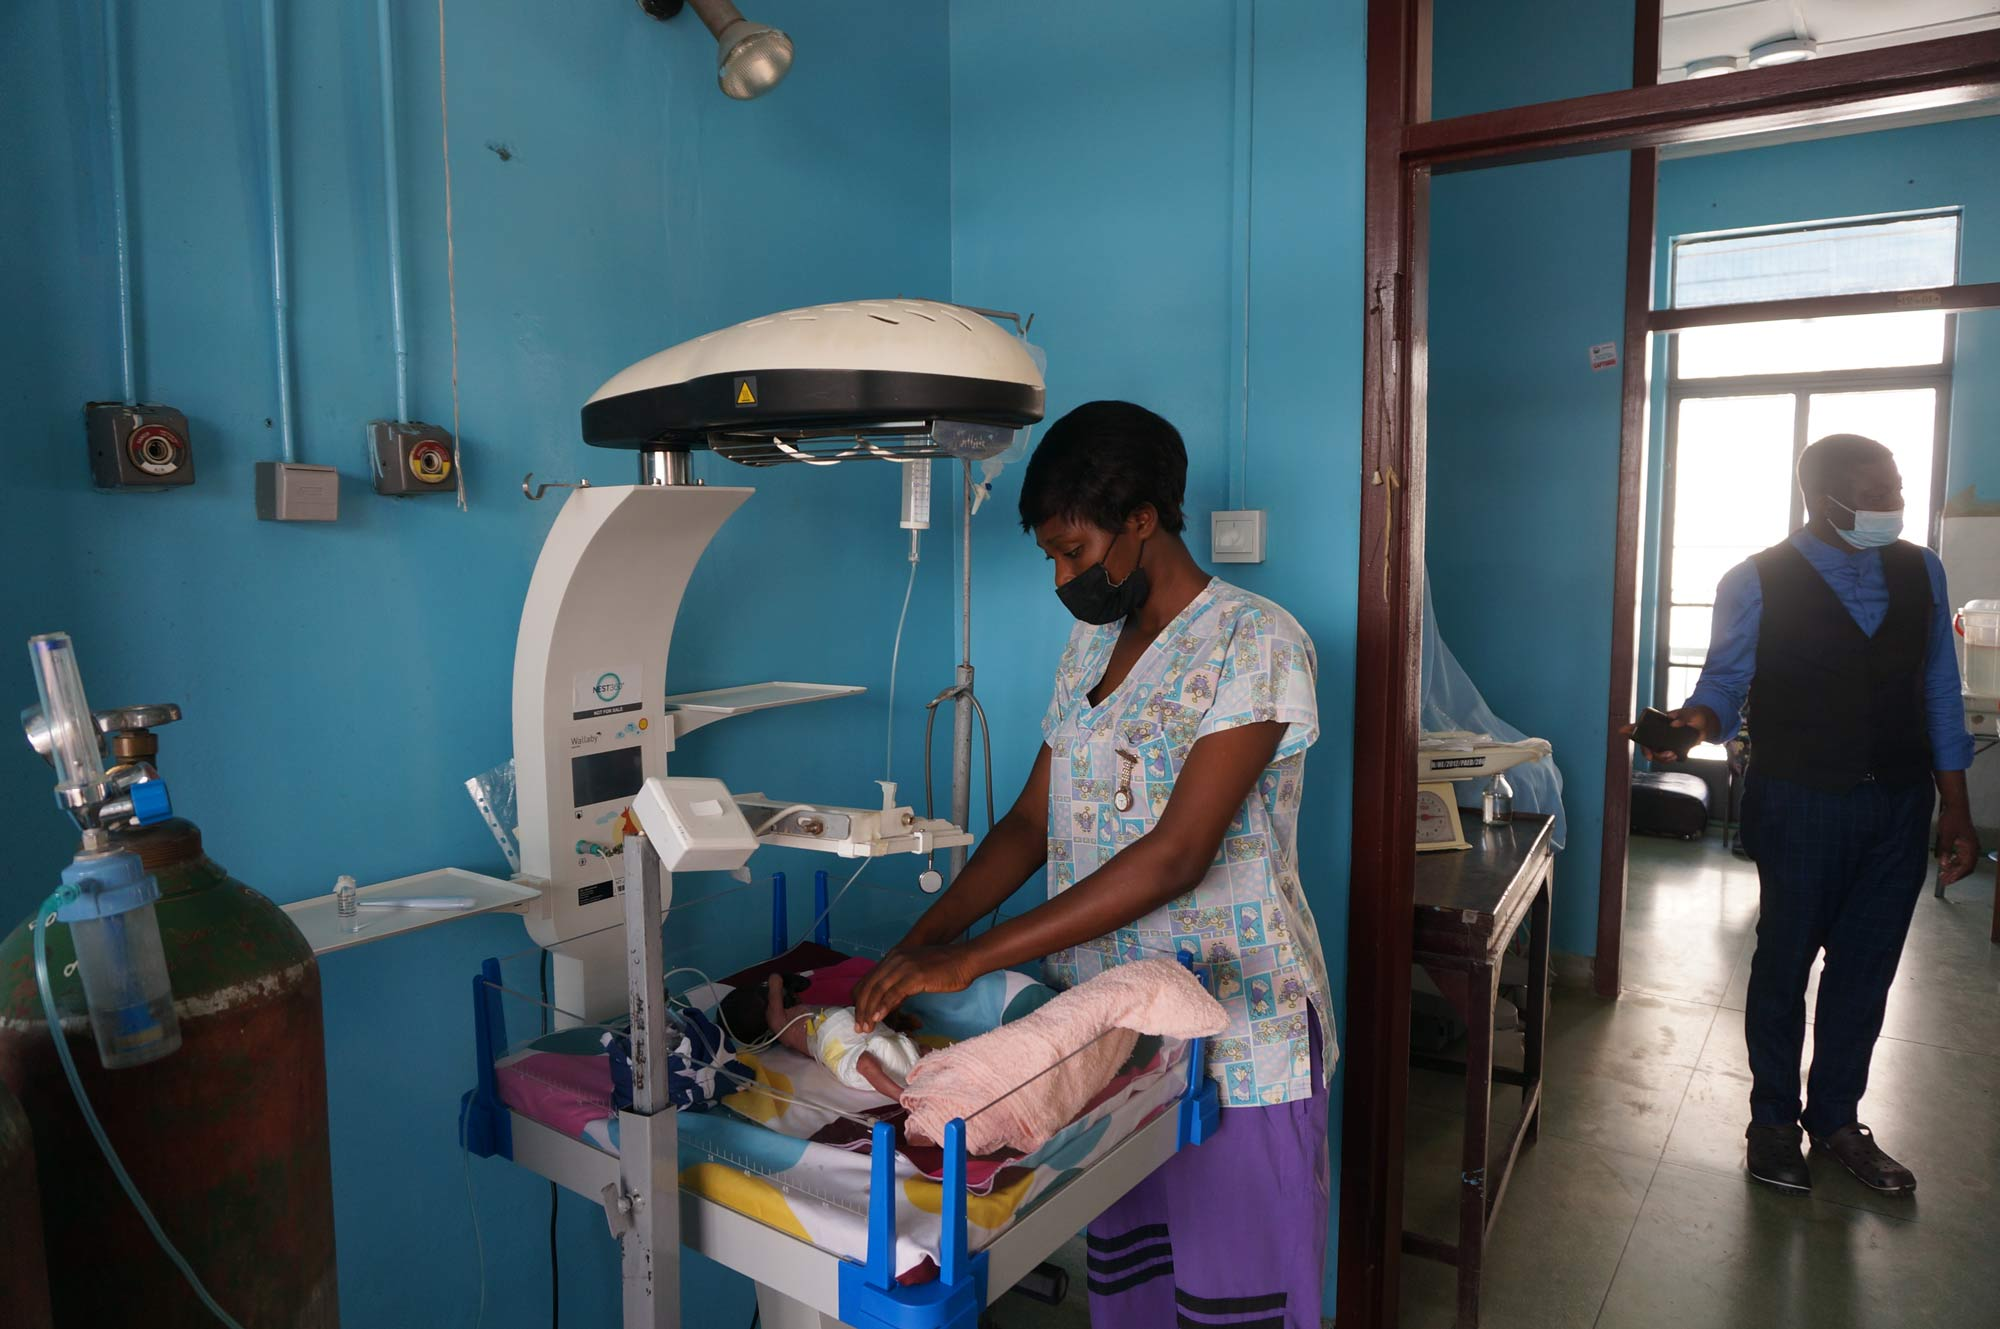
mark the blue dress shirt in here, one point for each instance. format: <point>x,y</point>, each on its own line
<point>1856,579</point>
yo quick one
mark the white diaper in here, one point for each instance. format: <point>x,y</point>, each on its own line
<point>834,1044</point>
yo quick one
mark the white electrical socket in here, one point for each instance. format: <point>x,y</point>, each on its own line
<point>1237,537</point>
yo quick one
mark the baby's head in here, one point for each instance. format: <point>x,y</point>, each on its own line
<point>744,1009</point>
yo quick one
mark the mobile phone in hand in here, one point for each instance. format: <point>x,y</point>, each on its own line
<point>1657,732</point>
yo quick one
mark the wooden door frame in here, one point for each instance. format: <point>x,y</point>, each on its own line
<point>1404,148</point>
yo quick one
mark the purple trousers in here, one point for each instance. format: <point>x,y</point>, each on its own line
<point>1229,1235</point>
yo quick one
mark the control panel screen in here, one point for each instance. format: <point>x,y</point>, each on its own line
<point>600,777</point>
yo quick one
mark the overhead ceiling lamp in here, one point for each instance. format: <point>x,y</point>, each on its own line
<point>1784,51</point>
<point>1711,65</point>
<point>750,58</point>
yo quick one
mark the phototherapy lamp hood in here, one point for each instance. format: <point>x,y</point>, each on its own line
<point>891,379</point>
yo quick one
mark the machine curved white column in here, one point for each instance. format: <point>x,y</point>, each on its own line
<point>590,719</point>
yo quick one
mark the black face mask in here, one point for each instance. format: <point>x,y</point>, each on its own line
<point>1092,597</point>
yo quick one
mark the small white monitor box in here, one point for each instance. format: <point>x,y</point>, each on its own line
<point>694,824</point>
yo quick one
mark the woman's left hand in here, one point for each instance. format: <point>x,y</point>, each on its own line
<point>905,972</point>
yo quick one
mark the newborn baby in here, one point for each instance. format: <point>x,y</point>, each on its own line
<point>880,1060</point>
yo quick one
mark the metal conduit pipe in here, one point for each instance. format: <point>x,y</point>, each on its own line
<point>281,318</point>
<point>114,116</point>
<point>392,203</point>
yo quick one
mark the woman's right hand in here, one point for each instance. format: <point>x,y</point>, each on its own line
<point>909,971</point>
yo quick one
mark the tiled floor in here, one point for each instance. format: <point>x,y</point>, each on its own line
<point>1633,1210</point>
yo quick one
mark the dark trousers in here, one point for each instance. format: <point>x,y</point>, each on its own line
<point>1839,873</point>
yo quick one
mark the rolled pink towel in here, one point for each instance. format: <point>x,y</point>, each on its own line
<point>1098,1021</point>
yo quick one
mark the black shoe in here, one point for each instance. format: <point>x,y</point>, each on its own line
<point>1854,1145</point>
<point>1773,1158</point>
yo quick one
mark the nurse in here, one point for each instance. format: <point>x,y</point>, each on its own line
<point>1164,802</point>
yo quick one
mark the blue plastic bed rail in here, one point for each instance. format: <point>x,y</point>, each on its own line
<point>1201,1104</point>
<point>870,1297</point>
<point>483,1124</point>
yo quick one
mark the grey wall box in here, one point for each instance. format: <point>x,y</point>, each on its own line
<point>294,491</point>
<point>137,447</point>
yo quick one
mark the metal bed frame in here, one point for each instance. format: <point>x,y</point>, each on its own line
<point>799,1285</point>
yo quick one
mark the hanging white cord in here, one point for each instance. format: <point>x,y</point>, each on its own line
<point>896,657</point>
<point>773,820</point>
<point>478,1241</point>
<point>450,260</point>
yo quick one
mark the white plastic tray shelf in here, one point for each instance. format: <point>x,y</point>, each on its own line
<point>691,710</point>
<point>317,918</point>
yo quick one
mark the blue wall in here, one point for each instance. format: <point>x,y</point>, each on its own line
<point>1900,170</point>
<point>341,682</point>
<point>1488,56</point>
<point>1527,274</point>
<point>1097,192</point>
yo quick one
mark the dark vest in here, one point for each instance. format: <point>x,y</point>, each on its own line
<point>1829,706</point>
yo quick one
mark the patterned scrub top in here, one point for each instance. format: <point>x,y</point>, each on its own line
<point>1229,659</point>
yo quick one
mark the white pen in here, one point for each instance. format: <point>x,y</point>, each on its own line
<point>440,902</point>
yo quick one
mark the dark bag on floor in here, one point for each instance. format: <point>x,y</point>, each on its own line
<point>1669,803</point>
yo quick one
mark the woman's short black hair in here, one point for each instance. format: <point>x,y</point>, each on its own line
<point>1101,463</point>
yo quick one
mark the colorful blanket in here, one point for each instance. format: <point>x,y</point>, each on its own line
<point>791,1150</point>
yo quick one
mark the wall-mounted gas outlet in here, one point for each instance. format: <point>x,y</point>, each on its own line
<point>409,458</point>
<point>137,447</point>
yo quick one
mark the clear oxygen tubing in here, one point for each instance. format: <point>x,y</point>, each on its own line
<point>274,181</point>
<point>896,659</point>
<point>55,902</point>
<point>121,224</point>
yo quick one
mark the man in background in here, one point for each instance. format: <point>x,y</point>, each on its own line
<point>1839,640</point>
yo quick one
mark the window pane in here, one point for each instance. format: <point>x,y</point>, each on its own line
<point>1812,345</point>
<point>1687,633</point>
<point>1699,568</point>
<point>1903,421</point>
<point>1732,486</point>
<point>1680,682</point>
<point>1901,254</point>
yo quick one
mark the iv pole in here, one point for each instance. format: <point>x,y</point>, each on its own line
<point>961,715</point>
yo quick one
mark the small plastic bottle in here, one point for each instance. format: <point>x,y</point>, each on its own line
<point>1497,807</point>
<point>345,904</point>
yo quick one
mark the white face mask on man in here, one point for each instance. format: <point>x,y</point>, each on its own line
<point>1871,530</point>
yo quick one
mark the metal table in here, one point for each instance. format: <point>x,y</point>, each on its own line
<point>1469,905</point>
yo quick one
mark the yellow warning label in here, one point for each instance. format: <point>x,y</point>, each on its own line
<point>746,393</point>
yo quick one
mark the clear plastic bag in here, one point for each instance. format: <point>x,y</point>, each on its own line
<point>493,794</point>
<point>1450,703</point>
<point>989,470</point>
